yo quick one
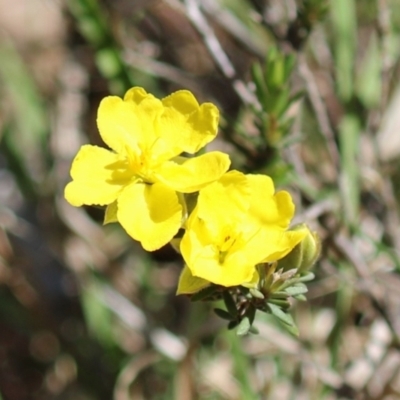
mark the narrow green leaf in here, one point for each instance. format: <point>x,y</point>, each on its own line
<point>205,293</point>
<point>251,313</point>
<point>97,316</point>
<point>368,78</point>
<point>280,314</point>
<point>279,103</point>
<point>280,294</point>
<point>289,102</point>
<point>253,330</point>
<point>258,79</point>
<point>233,324</point>
<point>345,30</point>
<point>256,293</point>
<point>280,303</point>
<point>295,281</point>
<point>244,327</point>
<point>244,290</point>
<point>306,278</point>
<point>229,302</point>
<point>275,72</point>
<point>296,290</point>
<point>28,107</point>
<point>292,329</point>
<point>349,134</point>
<point>223,314</point>
<point>289,65</point>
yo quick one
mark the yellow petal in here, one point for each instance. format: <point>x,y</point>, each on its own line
<point>150,214</point>
<point>234,274</point>
<point>188,124</point>
<point>281,243</point>
<point>136,95</point>
<point>189,284</point>
<point>249,248</point>
<point>225,200</point>
<point>206,265</point>
<point>253,282</point>
<point>141,124</point>
<point>132,123</point>
<point>98,177</point>
<point>119,125</point>
<point>195,238</point>
<point>194,173</point>
<point>274,210</point>
<point>239,266</point>
<point>203,258</point>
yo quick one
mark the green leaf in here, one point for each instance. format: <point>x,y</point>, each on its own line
<point>349,139</point>
<point>223,314</point>
<point>306,278</point>
<point>281,294</point>
<point>256,293</point>
<point>258,79</point>
<point>368,79</point>
<point>275,69</point>
<point>229,302</point>
<point>233,324</point>
<point>289,65</point>
<point>251,313</point>
<point>244,327</point>
<point>25,132</point>
<point>296,290</point>
<point>244,290</point>
<point>253,330</point>
<point>292,329</point>
<point>205,293</point>
<point>345,30</point>
<point>289,102</point>
<point>28,107</point>
<point>279,302</point>
<point>280,314</point>
<point>279,103</point>
<point>97,316</point>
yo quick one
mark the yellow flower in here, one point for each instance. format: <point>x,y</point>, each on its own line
<point>141,177</point>
<point>239,222</point>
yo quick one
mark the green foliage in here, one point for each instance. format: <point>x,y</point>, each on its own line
<point>26,133</point>
<point>95,27</point>
<point>345,43</point>
<point>274,293</point>
<point>97,315</point>
<point>272,82</point>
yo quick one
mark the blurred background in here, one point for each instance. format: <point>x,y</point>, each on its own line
<point>85,313</point>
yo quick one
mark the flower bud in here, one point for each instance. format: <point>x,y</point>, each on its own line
<point>305,254</point>
<point>311,250</point>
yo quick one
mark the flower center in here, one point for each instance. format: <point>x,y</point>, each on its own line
<point>143,162</point>
<point>139,164</point>
<point>224,248</point>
